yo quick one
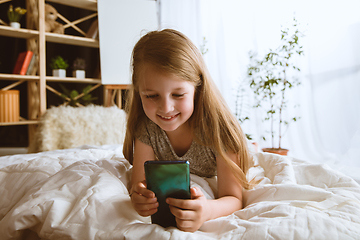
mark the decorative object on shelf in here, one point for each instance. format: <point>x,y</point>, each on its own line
<point>59,66</point>
<point>15,15</point>
<point>31,69</point>
<point>23,62</point>
<point>51,25</point>
<point>79,68</point>
<point>15,25</point>
<point>74,98</point>
<point>9,106</point>
<point>272,77</point>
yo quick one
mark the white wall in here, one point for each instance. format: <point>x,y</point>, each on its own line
<point>121,24</point>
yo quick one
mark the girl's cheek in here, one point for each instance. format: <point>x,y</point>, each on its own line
<point>149,105</point>
<point>188,104</point>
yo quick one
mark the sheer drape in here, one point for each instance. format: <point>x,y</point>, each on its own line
<point>329,129</point>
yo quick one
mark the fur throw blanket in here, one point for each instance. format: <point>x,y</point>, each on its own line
<point>68,127</point>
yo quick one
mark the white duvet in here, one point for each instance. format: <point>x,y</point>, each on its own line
<point>82,194</point>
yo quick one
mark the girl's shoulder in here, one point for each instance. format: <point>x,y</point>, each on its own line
<point>146,130</point>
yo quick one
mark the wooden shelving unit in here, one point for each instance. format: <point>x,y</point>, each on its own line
<point>36,38</point>
<point>16,77</point>
<point>21,122</point>
<point>18,33</point>
<point>72,79</point>
<point>84,4</point>
<point>71,40</point>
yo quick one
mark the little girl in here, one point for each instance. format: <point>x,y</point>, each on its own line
<point>175,112</point>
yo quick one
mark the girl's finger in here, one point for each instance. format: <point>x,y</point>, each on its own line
<point>183,204</point>
<point>147,213</point>
<point>186,225</point>
<point>141,189</point>
<point>146,207</point>
<point>141,199</point>
<point>182,214</point>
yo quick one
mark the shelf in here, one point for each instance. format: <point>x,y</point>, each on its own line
<point>50,37</point>
<point>25,122</point>
<point>16,77</point>
<point>71,40</point>
<point>18,33</point>
<point>84,4</point>
<point>72,79</point>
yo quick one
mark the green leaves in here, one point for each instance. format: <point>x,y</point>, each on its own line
<point>272,76</point>
<point>15,15</point>
<point>58,63</point>
<point>203,48</point>
<point>76,99</point>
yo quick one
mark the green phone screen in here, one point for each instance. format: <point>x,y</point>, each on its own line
<point>167,179</point>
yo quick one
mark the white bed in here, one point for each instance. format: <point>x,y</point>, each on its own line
<point>81,193</point>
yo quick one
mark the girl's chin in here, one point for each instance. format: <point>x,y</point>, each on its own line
<point>167,127</point>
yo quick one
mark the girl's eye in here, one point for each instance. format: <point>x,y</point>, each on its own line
<point>151,96</point>
<point>178,95</point>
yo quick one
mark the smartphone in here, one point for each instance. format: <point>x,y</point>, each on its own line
<point>167,179</point>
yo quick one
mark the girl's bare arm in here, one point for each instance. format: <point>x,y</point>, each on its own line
<point>229,191</point>
<point>142,199</point>
<point>191,214</point>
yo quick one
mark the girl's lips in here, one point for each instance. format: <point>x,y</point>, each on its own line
<point>168,117</point>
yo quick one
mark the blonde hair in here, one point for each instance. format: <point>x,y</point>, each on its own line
<point>171,51</point>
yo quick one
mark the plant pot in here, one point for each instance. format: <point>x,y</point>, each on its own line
<point>9,106</point>
<point>15,24</point>
<point>280,151</point>
<point>59,73</point>
<point>79,73</point>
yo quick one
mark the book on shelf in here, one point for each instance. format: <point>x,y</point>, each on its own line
<point>22,62</point>
<point>31,65</point>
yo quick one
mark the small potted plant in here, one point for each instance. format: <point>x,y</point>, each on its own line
<point>79,68</point>
<point>272,78</point>
<point>59,66</point>
<point>15,15</point>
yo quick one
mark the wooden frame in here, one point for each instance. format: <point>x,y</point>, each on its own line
<point>113,91</point>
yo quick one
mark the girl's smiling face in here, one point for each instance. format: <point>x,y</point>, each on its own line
<point>167,100</point>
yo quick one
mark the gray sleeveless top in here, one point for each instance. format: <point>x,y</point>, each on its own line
<point>202,159</point>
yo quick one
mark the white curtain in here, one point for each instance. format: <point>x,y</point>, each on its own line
<point>329,98</point>
<point>198,20</point>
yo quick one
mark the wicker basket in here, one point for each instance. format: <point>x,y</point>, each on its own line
<point>9,106</point>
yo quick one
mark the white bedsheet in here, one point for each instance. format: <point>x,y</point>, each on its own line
<point>82,194</point>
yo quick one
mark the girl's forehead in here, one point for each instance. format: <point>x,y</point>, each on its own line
<point>154,77</point>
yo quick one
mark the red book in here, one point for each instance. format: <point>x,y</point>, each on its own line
<point>22,62</point>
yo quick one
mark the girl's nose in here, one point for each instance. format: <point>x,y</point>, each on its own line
<point>166,105</point>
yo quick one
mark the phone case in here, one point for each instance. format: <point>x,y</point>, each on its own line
<point>167,179</point>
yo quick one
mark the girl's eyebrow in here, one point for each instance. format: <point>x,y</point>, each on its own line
<point>151,90</point>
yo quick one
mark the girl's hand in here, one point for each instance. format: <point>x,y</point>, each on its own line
<point>190,214</point>
<point>143,200</point>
